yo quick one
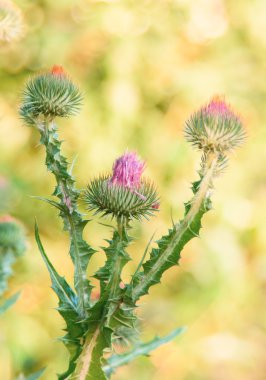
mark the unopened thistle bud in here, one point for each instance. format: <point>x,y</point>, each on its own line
<point>50,95</point>
<point>124,193</point>
<point>215,128</point>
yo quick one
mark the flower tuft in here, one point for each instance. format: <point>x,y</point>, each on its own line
<point>58,70</point>
<point>50,95</point>
<point>127,171</point>
<point>215,127</point>
<point>124,193</point>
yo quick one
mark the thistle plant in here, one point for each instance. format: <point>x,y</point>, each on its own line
<point>93,327</point>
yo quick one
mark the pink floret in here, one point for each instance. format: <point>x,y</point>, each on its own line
<point>127,171</point>
<point>217,107</point>
<point>58,70</point>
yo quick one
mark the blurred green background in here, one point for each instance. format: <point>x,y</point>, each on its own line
<point>143,67</point>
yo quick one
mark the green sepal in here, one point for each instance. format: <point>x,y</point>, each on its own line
<point>214,133</point>
<point>49,95</point>
<point>142,349</point>
<point>104,198</point>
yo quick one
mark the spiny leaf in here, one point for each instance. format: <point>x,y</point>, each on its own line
<point>67,297</point>
<point>68,308</point>
<point>107,314</point>
<point>169,247</point>
<point>119,360</point>
<point>51,202</point>
<point>9,302</point>
<point>115,250</point>
<point>65,190</point>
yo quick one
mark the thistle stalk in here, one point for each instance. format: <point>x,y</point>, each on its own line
<point>106,308</point>
<point>72,218</point>
<point>181,228</point>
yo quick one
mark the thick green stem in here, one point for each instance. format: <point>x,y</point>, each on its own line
<point>84,361</point>
<point>108,304</point>
<point>181,228</point>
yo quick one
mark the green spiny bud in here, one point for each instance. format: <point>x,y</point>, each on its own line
<point>215,128</point>
<point>50,95</point>
<point>124,194</point>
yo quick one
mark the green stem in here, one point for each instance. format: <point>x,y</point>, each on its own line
<point>84,360</point>
<point>111,299</point>
<point>73,222</point>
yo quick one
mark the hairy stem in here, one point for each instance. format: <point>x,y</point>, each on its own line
<point>206,183</point>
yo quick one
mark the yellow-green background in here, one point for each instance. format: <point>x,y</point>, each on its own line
<point>143,67</point>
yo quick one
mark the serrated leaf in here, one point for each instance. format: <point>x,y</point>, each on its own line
<point>114,251</point>
<point>68,308</point>
<point>67,298</point>
<point>169,247</point>
<point>50,201</point>
<point>107,314</point>
<point>65,191</point>
<point>9,302</point>
<point>142,349</point>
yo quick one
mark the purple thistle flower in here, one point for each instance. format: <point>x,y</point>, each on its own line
<point>127,171</point>
<point>125,193</point>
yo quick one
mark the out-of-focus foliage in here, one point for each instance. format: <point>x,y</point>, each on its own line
<point>143,67</point>
<point>12,246</point>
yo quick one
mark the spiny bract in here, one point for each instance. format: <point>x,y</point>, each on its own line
<point>119,201</point>
<point>215,127</point>
<point>50,95</point>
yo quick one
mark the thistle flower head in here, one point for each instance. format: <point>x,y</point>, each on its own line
<point>50,95</point>
<point>127,171</point>
<point>215,127</point>
<point>124,193</point>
